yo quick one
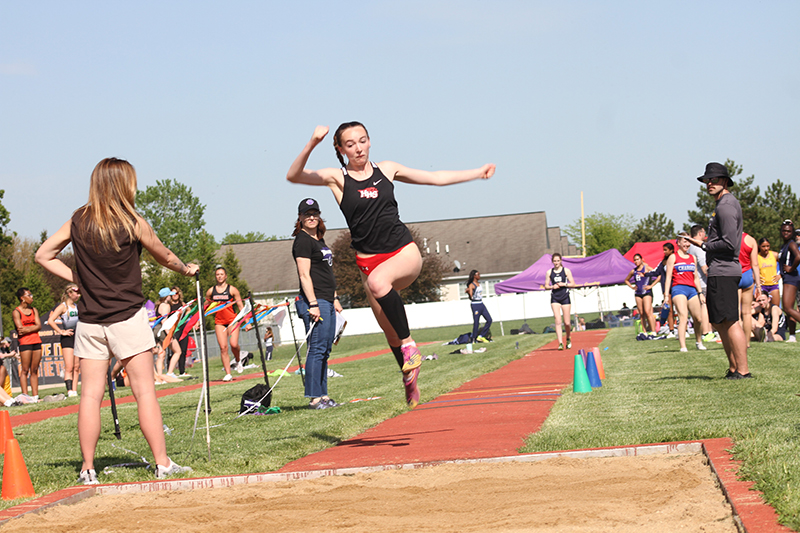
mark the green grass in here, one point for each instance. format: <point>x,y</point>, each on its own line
<point>653,393</point>
<point>259,443</point>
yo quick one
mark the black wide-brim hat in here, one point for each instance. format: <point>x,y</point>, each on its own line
<point>715,170</point>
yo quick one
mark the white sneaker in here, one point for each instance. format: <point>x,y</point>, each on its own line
<point>72,393</point>
<point>171,374</point>
<point>684,349</point>
<point>227,377</point>
<point>171,470</point>
<point>671,335</point>
<point>700,346</point>
<point>791,339</point>
<point>239,367</point>
<point>88,477</point>
<point>185,375</point>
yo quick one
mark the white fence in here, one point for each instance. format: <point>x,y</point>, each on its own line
<point>502,308</point>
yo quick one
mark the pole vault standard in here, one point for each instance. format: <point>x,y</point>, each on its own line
<point>258,338</point>
<point>204,357</point>
<point>117,431</point>
<point>296,348</point>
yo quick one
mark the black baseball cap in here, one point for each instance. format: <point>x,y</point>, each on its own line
<point>307,205</point>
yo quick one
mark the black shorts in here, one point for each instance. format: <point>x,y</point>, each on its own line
<point>562,299</point>
<point>723,299</point>
<point>30,347</point>
<point>67,341</point>
<point>648,293</point>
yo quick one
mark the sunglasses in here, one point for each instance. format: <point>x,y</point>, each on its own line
<point>715,180</point>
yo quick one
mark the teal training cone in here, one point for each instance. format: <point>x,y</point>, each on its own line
<point>591,371</point>
<point>580,380</point>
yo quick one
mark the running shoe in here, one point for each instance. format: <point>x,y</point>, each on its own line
<point>560,345</point>
<point>322,404</point>
<point>708,337</point>
<point>791,339</point>
<point>684,349</point>
<point>88,477</point>
<point>239,367</point>
<point>171,470</point>
<point>569,344</point>
<point>700,346</point>
<point>72,393</point>
<point>412,389</point>
<point>411,357</point>
<point>227,377</point>
<point>185,375</point>
<point>481,339</point>
<point>737,375</point>
<point>331,403</point>
<point>671,335</point>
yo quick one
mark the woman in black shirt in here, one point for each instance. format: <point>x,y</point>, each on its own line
<point>317,302</point>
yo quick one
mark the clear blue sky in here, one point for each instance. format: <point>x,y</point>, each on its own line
<point>626,101</point>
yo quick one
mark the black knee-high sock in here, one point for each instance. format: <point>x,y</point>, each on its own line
<point>398,355</point>
<point>68,383</point>
<point>392,306</point>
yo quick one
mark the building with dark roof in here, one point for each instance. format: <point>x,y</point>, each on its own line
<point>498,246</point>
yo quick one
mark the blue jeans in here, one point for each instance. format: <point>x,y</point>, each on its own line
<point>319,346</point>
<point>479,310</point>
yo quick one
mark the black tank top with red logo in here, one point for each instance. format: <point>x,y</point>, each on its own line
<point>370,209</point>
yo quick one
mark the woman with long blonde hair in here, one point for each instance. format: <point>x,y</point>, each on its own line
<point>67,310</point>
<point>107,235</point>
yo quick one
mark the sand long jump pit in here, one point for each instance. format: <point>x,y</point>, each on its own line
<point>567,491</point>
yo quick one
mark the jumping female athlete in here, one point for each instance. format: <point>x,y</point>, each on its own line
<point>385,251</point>
<point>559,279</point>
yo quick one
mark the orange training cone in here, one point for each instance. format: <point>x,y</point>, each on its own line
<point>599,362</point>
<point>5,430</point>
<point>16,481</point>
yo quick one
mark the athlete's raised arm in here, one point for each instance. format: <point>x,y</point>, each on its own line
<point>396,171</point>
<point>329,177</point>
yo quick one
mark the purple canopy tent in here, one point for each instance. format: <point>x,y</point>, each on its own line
<point>606,268</point>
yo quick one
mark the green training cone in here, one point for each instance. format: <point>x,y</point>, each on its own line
<point>580,380</point>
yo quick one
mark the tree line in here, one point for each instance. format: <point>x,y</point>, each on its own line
<point>763,213</point>
<point>177,216</point>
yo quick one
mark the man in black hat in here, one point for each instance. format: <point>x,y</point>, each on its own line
<point>724,270</point>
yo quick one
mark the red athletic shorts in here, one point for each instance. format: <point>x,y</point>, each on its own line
<point>368,264</point>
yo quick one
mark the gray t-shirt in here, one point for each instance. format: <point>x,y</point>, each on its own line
<point>700,257</point>
<point>725,238</point>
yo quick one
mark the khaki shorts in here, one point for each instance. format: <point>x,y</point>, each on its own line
<point>121,340</point>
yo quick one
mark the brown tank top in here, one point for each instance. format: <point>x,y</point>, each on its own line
<point>110,281</point>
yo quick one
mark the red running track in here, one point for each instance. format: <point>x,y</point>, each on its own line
<point>489,416</point>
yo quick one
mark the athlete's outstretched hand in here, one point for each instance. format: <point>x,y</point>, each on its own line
<point>487,171</point>
<point>319,133</point>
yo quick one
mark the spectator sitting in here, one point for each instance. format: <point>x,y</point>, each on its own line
<point>769,323</point>
<point>625,312</point>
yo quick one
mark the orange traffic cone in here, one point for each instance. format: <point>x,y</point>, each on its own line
<point>598,360</point>
<point>16,481</point>
<point>5,430</point>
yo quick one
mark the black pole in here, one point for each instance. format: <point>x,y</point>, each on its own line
<point>296,348</point>
<point>258,338</point>
<point>117,431</point>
